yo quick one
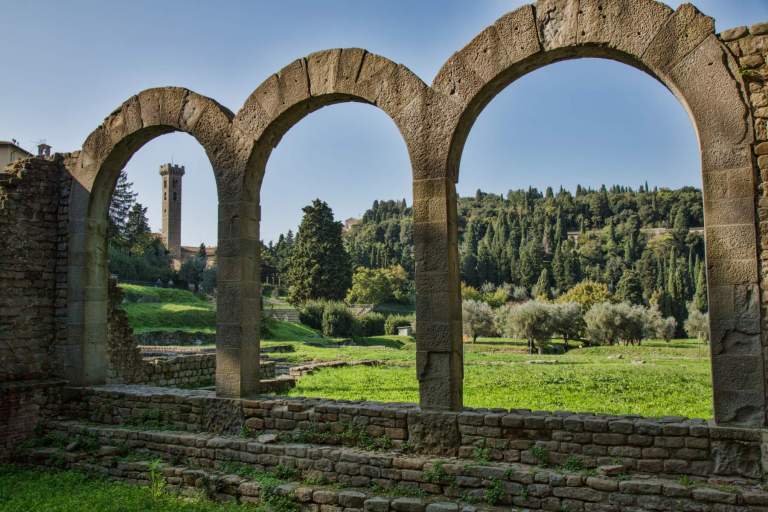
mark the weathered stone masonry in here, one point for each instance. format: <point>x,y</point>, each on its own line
<point>668,464</point>
<point>54,314</point>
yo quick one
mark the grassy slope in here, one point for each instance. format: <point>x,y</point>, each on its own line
<point>24,490</point>
<point>172,310</point>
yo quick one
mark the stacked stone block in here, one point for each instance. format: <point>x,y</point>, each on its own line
<point>29,222</point>
<point>201,462</point>
<point>670,446</point>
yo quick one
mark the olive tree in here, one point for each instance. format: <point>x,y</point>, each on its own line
<point>567,321</point>
<point>477,319</point>
<point>609,323</point>
<point>697,324</point>
<point>658,326</point>
<point>530,320</point>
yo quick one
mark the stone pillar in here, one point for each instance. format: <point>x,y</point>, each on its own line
<point>238,305</point>
<point>439,356</point>
<point>739,334</point>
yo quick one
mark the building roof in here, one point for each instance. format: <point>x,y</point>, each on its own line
<point>13,144</point>
<point>191,249</point>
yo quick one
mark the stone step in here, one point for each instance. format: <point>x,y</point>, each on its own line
<point>244,484</point>
<point>534,487</point>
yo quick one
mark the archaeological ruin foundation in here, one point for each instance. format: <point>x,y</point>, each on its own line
<point>56,318</point>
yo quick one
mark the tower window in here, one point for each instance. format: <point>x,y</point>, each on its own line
<point>174,196</point>
<point>165,196</point>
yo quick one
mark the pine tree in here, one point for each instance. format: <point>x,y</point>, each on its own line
<point>319,267</point>
<point>120,206</point>
<point>136,233</point>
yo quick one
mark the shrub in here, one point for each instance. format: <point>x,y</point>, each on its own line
<point>338,320</point>
<point>311,313</point>
<point>372,324</point>
<point>395,321</point>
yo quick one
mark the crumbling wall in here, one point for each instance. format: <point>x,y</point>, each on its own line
<point>29,252</point>
<point>126,364</point>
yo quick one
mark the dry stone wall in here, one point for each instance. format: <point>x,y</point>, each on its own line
<point>670,446</point>
<point>204,463</point>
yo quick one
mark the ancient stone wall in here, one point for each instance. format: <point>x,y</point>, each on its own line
<point>128,366</point>
<point>750,46</point>
<point>667,446</point>
<point>175,338</point>
<point>207,464</point>
<point>23,404</point>
<point>30,256</point>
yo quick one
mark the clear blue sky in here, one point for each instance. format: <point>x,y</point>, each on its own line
<point>66,65</point>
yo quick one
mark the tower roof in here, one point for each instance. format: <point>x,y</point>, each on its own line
<point>175,170</point>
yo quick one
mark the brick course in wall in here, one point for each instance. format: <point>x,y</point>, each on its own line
<point>670,446</point>
<point>31,266</point>
<point>360,480</point>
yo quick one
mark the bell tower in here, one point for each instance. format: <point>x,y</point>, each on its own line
<point>172,175</point>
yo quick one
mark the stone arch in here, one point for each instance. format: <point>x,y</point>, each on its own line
<point>94,170</point>
<point>321,79</point>
<point>678,48</point>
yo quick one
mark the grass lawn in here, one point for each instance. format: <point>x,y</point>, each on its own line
<point>156,309</point>
<point>24,490</point>
<point>655,379</point>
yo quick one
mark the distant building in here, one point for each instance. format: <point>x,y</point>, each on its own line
<point>10,151</point>
<point>171,235</point>
<point>350,222</point>
<point>172,175</point>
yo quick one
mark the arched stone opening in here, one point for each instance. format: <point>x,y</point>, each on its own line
<point>95,170</point>
<point>679,49</point>
<point>308,84</point>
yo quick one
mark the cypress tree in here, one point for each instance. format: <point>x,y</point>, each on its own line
<point>319,267</point>
<point>700,295</point>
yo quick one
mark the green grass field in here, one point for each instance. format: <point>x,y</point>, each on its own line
<point>655,379</point>
<point>158,309</point>
<point>25,490</point>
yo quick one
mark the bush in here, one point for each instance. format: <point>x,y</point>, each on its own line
<point>395,321</point>
<point>372,324</point>
<point>311,313</point>
<point>338,320</point>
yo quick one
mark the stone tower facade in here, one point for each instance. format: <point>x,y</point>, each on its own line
<point>172,175</point>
